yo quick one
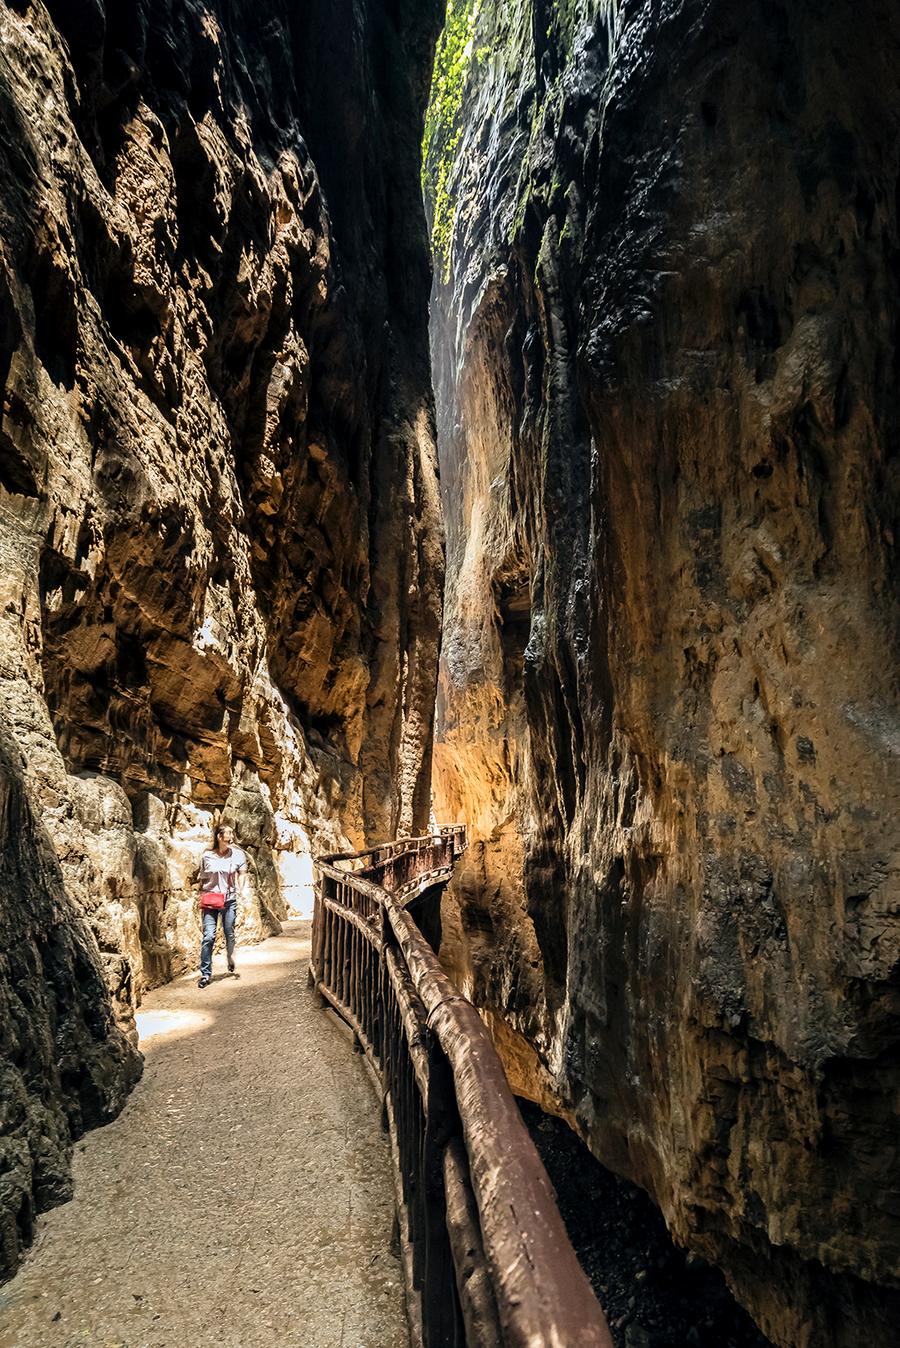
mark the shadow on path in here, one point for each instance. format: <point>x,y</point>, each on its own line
<point>243,1197</point>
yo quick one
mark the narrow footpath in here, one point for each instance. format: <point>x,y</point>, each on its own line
<point>243,1197</point>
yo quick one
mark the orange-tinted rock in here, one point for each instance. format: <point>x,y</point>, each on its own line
<point>666,357</point>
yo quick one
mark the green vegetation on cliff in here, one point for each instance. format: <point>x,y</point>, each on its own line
<point>443,125</point>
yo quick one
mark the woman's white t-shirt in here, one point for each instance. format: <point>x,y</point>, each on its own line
<point>218,874</point>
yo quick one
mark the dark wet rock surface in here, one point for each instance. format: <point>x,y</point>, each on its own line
<point>654,1295</point>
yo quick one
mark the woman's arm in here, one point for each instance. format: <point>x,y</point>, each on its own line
<point>241,879</point>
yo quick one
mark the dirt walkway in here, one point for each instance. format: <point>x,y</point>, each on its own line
<point>242,1198</point>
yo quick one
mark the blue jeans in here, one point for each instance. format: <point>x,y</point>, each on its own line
<point>210,922</point>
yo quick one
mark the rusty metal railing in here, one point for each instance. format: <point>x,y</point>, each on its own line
<point>488,1260</point>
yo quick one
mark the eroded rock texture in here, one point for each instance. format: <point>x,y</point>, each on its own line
<point>64,1063</point>
<point>219,536</point>
<point>667,357</point>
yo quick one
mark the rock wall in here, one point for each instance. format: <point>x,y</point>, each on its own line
<point>220,548</point>
<point>666,351</point>
<point>64,1063</point>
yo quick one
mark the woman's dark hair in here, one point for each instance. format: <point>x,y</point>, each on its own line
<point>220,828</point>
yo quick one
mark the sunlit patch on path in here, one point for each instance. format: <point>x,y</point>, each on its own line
<point>162,1023</point>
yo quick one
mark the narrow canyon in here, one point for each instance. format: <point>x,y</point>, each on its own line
<point>483,411</point>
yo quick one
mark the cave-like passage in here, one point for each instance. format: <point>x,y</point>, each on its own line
<point>244,1194</point>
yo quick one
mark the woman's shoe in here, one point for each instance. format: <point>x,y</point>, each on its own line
<point>230,965</point>
<point>204,983</point>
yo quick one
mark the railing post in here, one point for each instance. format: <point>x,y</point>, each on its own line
<point>478,1307</point>
<point>315,968</point>
<point>377,1005</point>
<point>345,959</point>
<point>356,960</point>
<point>327,945</point>
<point>441,1318</point>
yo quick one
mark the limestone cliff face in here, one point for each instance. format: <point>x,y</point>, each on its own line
<point>667,355</point>
<point>219,539</point>
<point>64,1063</point>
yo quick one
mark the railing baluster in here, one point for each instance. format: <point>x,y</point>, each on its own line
<point>351,968</point>
<point>414,1150</point>
<point>336,926</point>
<point>342,957</point>
<point>357,959</point>
<point>440,1302</point>
<point>317,930</point>
<point>326,946</point>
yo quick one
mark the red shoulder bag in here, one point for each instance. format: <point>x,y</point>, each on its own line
<point>213,900</point>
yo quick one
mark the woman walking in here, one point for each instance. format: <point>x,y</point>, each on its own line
<point>221,877</point>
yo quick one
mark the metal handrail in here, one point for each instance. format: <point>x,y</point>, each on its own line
<point>396,845</point>
<point>488,1258</point>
